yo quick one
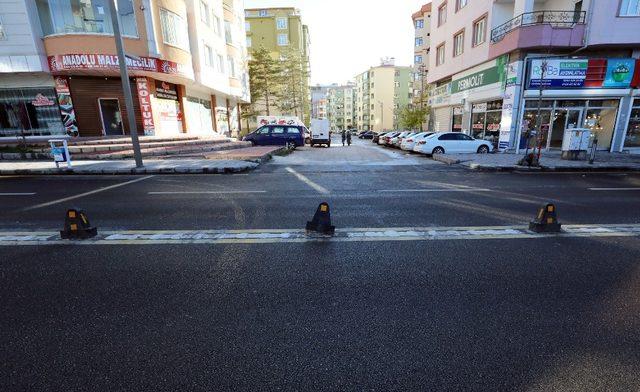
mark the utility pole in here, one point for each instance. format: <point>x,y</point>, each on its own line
<point>126,86</point>
<point>421,94</point>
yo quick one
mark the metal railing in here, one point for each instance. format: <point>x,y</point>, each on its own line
<point>554,18</point>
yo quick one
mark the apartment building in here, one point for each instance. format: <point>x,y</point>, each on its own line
<point>495,62</point>
<point>319,102</point>
<point>341,107</point>
<point>381,92</point>
<point>280,29</point>
<point>421,51</point>
<point>59,71</point>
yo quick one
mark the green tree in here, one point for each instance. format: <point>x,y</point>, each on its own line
<point>293,96</point>
<point>413,117</point>
<point>265,78</point>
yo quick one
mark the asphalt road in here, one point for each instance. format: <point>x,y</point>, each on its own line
<point>552,313</point>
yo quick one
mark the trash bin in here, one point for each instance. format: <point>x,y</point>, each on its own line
<point>575,143</point>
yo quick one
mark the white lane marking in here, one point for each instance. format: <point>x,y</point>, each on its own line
<point>438,190</point>
<point>266,236</point>
<point>106,188</point>
<point>614,189</point>
<point>17,193</point>
<point>307,181</point>
<point>202,192</point>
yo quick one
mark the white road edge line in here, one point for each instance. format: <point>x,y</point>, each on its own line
<point>201,192</point>
<point>17,193</point>
<point>106,188</point>
<point>438,190</point>
<point>307,181</point>
<point>614,189</point>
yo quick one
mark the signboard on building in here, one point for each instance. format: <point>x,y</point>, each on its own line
<point>581,73</point>
<point>65,103</point>
<point>98,61</point>
<point>166,90</point>
<point>439,95</point>
<point>144,98</point>
<point>507,123</point>
<point>481,78</point>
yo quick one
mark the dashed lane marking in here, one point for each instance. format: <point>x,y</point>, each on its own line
<point>65,199</point>
<point>203,192</point>
<point>437,190</point>
<point>266,236</point>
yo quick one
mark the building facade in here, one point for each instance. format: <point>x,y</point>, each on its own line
<point>494,64</point>
<point>319,102</point>
<point>279,30</point>
<point>341,107</point>
<point>421,52</point>
<point>381,93</point>
<point>187,62</point>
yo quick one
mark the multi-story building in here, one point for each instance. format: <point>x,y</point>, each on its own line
<point>278,30</point>
<point>319,102</point>
<point>421,51</point>
<point>381,93</point>
<point>341,107</point>
<point>494,64</point>
<point>59,70</point>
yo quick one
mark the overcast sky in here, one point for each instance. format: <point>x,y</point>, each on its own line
<point>348,36</point>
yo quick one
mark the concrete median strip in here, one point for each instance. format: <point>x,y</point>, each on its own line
<point>266,236</point>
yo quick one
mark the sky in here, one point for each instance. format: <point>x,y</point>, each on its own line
<point>349,36</point>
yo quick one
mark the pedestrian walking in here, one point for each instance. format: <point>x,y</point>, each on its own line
<point>344,137</point>
<point>348,138</point>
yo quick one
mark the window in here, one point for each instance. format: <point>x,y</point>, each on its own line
<point>632,138</point>
<point>216,25</point>
<point>263,13</point>
<point>204,12</point>
<point>419,23</point>
<point>419,41</point>
<point>232,66</point>
<point>247,26</point>
<point>418,59</point>
<point>442,14</point>
<point>440,55</point>
<point>630,8</point>
<point>479,31</point>
<point>458,44</point>
<point>174,29</point>
<point>248,42</point>
<point>283,39</point>
<point>277,130</point>
<point>228,37</point>
<point>294,130</point>
<point>84,16</point>
<point>220,64</point>
<point>208,56</point>
<point>281,23</point>
<point>461,4</point>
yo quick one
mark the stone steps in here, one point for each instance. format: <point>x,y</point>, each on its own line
<point>97,148</point>
<point>127,139</point>
<point>163,151</point>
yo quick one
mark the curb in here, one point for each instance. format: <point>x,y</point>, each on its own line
<point>445,159</point>
<point>548,169</point>
<point>128,171</point>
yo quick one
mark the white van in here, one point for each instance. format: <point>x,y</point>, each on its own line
<point>320,136</point>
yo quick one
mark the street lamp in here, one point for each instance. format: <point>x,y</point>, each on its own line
<point>126,86</point>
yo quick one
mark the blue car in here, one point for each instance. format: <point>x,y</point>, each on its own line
<point>277,135</point>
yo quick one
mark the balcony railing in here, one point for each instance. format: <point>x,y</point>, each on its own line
<point>554,18</point>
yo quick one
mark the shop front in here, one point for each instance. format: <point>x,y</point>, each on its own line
<point>578,93</point>
<point>30,111</point>
<point>439,102</point>
<point>632,135</point>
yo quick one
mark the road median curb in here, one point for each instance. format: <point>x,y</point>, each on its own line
<point>445,159</point>
<point>240,167</point>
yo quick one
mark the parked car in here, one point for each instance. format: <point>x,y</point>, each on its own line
<point>386,139</point>
<point>452,142</point>
<point>409,142</point>
<point>401,138</point>
<point>376,137</point>
<point>366,135</point>
<point>277,135</point>
<point>394,139</point>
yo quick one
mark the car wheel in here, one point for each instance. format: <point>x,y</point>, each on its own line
<point>483,149</point>
<point>438,150</point>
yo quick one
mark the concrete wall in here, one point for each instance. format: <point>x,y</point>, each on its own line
<point>22,49</point>
<point>626,31</point>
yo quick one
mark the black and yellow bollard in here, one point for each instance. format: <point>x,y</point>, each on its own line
<point>546,221</point>
<point>321,222</point>
<point>77,226</point>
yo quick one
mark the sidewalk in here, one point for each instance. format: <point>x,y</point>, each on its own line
<point>549,161</point>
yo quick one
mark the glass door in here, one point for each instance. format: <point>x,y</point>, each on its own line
<point>111,116</point>
<point>563,119</point>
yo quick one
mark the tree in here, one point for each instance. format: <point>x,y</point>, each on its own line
<point>265,78</point>
<point>413,117</point>
<point>293,97</point>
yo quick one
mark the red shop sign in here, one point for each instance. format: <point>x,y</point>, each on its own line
<point>142,85</point>
<point>70,62</point>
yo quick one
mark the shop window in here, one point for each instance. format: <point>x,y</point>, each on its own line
<point>485,121</point>
<point>530,132</point>
<point>632,138</point>
<point>533,103</point>
<point>29,111</point>
<point>569,103</point>
<point>85,16</point>
<point>456,122</point>
<point>602,122</point>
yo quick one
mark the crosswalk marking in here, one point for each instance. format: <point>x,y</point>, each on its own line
<point>267,236</point>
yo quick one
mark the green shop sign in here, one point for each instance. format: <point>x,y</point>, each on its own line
<point>482,78</point>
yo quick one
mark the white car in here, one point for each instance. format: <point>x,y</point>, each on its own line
<point>408,143</point>
<point>395,138</point>
<point>402,137</point>
<point>452,143</point>
<point>386,139</point>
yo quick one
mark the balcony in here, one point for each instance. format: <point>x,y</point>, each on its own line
<point>538,29</point>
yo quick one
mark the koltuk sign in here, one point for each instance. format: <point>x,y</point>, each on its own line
<point>144,99</point>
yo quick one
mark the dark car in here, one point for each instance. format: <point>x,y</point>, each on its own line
<point>366,135</point>
<point>376,137</point>
<point>277,135</point>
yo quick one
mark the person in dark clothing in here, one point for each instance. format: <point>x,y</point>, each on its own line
<point>344,136</point>
<point>348,138</point>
